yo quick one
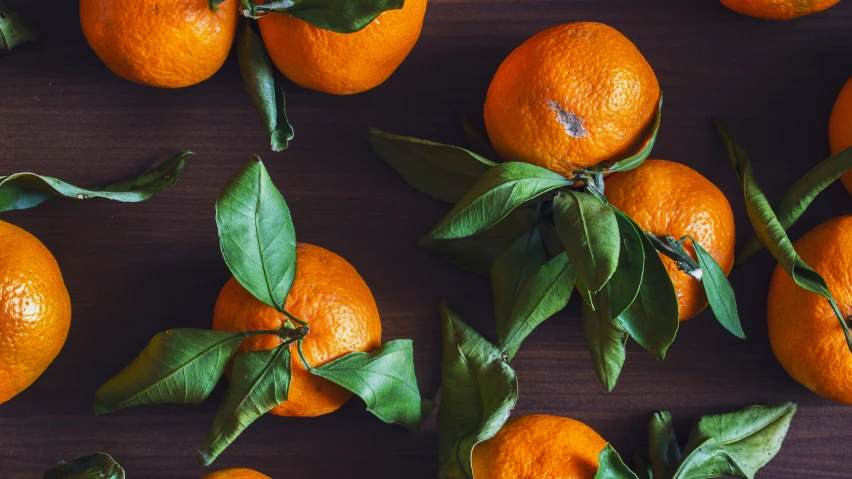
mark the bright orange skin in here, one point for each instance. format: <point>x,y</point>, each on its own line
<point>840,128</point>
<point>571,97</point>
<point>805,335</point>
<point>337,304</point>
<point>35,310</point>
<point>338,63</point>
<point>162,43</point>
<point>539,447</point>
<point>778,9</point>
<point>236,474</point>
<point>668,198</point>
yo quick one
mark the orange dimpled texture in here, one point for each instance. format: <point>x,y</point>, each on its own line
<point>537,447</point>
<point>840,128</point>
<point>236,474</point>
<point>337,304</point>
<point>668,198</point>
<point>162,43</point>
<point>571,97</point>
<point>778,9</point>
<point>35,310</point>
<point>804,332</point>
<point>342,63</point>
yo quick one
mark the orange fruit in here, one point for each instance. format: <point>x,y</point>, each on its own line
<point>571,97</point>
<point>162,43</point>
<point>337,304</point>
<point>342,63</point>
<point>539,446</point>
<point>668,198</point>
<point>236,474</point>
<point>778,9</point>
<point>840,128</point>
<point>805,335</point>
<point>35,310</point>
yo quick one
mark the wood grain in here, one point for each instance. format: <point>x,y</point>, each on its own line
<point>134,270</point>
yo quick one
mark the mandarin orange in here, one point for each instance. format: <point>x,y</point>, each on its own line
<point>840,128</point>
<point>778,9</point>
<point>236,474</point>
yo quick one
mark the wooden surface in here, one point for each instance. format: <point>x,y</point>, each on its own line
<point>134,270</point>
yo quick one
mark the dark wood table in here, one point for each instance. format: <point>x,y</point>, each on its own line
<point>135,270</point>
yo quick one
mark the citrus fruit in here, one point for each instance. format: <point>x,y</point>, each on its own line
<point>162,43</point>
<point>236,474</point>
<point>337,304</point>
<point>342,63</point>
<point>840,128</point>
<point>35,310</point>
<point>571,97</point>
<point>668,198</point>
<point>539,446</point>
<point>804,332</point>
<point>778,9</point>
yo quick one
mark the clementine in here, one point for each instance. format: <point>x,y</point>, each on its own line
<point>236,474</point>
<point>667,198</point>
<point>840,128</point>
<point>35,310</point>
<point>334,300</point>
<point>778,9</point>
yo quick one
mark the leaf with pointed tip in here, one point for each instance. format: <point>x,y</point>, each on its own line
<point>604,338</point>
<point>93,466</point>
<point>610,466</point>
<point>14,30</point>
<point>720,293</point>
<point>25,190</point>
<point>384,379</point>
<point>663,449</point>
<point>256,234</point>
<point>177,366</point>
<point>259,382</point>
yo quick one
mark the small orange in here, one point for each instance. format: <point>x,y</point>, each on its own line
<point>778,9</point>
<point>35,310</point>
<point>840,128</point>
<point>571,97</point>
<point>667,198</point>
<point>342,63</point>
<point>162,43</point>
<point>539,446</point>
<point>337,304</point>
<point>236,474</point>
<point>804,332</point>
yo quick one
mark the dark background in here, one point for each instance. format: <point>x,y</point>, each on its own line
<point>136,269</point>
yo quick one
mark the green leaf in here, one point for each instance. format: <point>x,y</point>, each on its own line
<point>260,381</point>
<point>177,366</point>
<point>478,391</point>
<point>266,92</point>
<point>589,231</point>
<point>652,320</point>
<point>719,291</point>
<point>610,466</point>
<point>796,200</point>
<point>442,171</point>
<point>735,444</point>
<point>256,234</point>
<point>771,232</point>
<point>543,294</point>
<point>477,253</point>
<point>384,379</point>
<point>604,338</point>
<point>14,30</point>
<point>340,16</point>
<point>642,464</point>
<point>26,190</point>
<point>627,280</point>
<point>93,466</point>
<point>664,451</point>
<point>477,141</point>
<point>497,193</point>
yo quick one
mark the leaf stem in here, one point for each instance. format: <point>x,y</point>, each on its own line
<point>302,357</point>
<point>293,318</point>
<point>843,323</point>
<point>673,249</point>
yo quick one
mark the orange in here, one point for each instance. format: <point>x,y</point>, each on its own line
<point>162,43</point>
<point>236,474</point>
<point>667,198</point>
<point>840,128</point>
<point>337,304</point>
<point>778,9</point>
<point>571,97</point>
<point>805,335</point>
<point>342,63</point>
<point>35,310</point>
<point>537,447</point>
